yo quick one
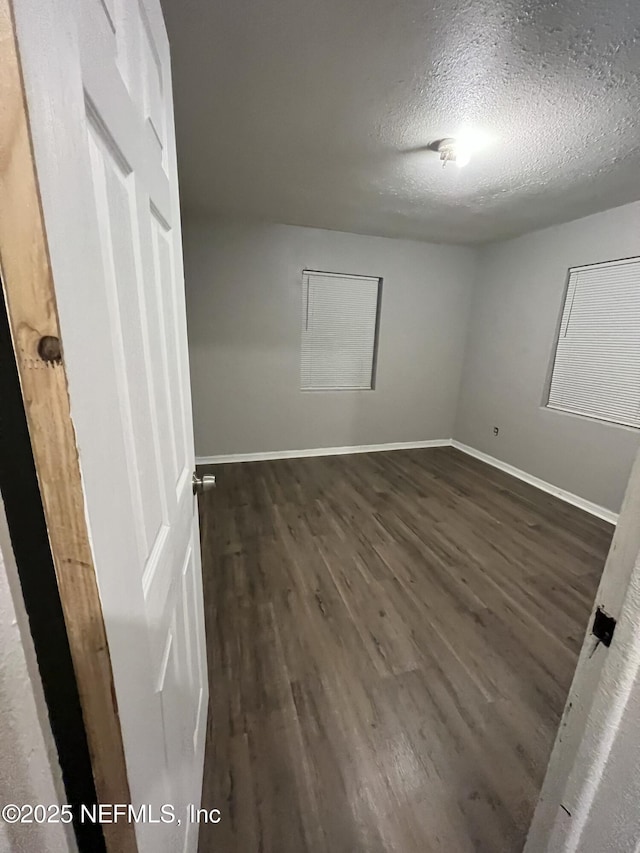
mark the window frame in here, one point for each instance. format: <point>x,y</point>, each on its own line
<point>546,404</point>
<point>376,331</point>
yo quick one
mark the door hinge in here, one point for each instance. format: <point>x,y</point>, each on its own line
<point>603,627</point>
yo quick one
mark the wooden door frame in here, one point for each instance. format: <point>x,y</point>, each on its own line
<point>30,296</point>
<point>40,597</point>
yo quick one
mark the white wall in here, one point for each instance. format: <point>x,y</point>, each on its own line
<point>243,302</point>
<point>244,287</point>
<point>29,769</point>
<point>517,301</point>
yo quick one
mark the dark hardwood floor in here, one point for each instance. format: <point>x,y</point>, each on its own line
<point>391,640</point>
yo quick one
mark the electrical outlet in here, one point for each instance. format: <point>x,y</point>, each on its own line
<point>496,430</point>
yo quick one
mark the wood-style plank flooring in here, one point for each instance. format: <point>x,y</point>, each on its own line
<point>391,639</point>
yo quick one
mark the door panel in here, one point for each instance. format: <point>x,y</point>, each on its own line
<point>98,83</point>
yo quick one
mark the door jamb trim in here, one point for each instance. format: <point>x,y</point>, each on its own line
<point>29,291</point>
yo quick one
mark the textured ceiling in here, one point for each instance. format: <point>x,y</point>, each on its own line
<point>313,112</point>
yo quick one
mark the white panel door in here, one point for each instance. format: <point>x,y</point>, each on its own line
<point>98,84</point>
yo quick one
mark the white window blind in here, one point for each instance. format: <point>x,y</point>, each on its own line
<point>339,318</point>
<point>597,365</point>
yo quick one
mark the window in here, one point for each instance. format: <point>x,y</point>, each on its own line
<point>339,322</point>
<point>596,371</point>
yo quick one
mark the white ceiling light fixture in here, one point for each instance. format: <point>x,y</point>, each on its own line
<point>451,151</point>
<point>459,149</point>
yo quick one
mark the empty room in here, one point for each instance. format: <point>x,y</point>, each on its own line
<point>416,380</point>
<point>320,368</point>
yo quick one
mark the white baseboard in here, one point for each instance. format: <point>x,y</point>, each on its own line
<point>569,497</point>
<point>320,451</point>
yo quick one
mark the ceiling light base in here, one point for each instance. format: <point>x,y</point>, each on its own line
<point>447,148</point>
